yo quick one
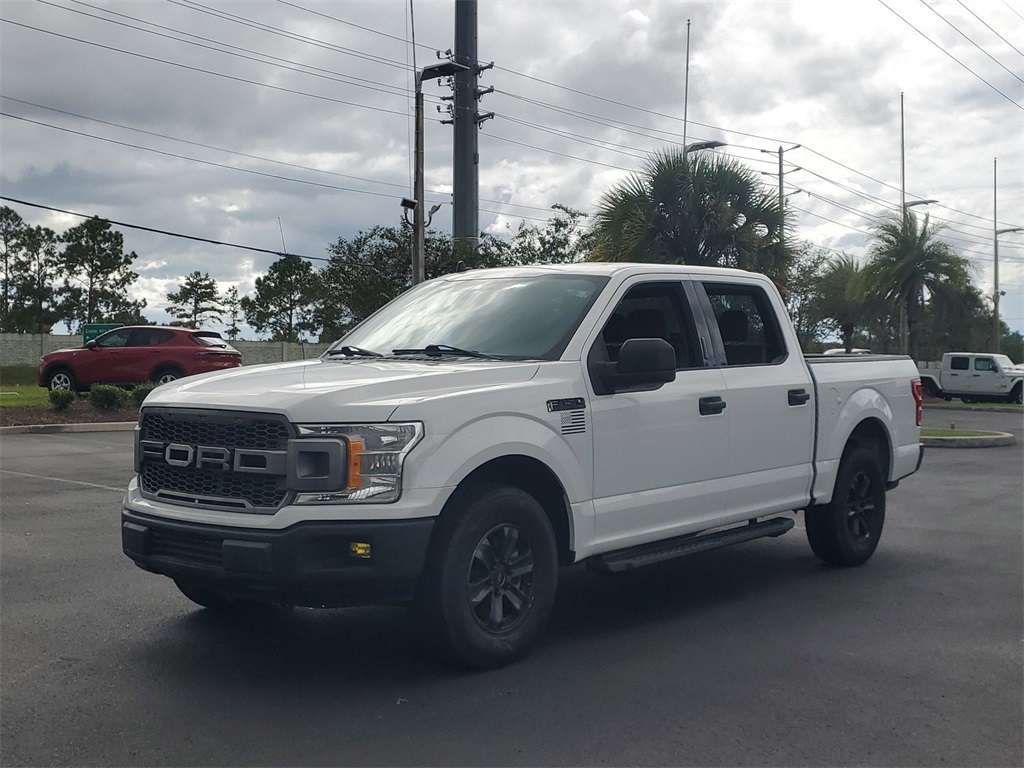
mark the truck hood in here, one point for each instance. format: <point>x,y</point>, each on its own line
<point>339,390</point>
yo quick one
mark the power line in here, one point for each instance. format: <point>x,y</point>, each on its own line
<point>204,71</point>
<point>990,29</point>
<point>954,58</point>
<point>968,39</point>
<point>159,231</point>
<point>197,160</point>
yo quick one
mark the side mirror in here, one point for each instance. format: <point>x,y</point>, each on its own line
<point>642,364</point>
<point>90,344</point>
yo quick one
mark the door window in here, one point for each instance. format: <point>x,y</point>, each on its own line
<point>984,364</point>
<point>118,338</point>
<point>654,311</point>
<point>959,363</point>
<point>747,324</point>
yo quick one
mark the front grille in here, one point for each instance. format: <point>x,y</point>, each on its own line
<point>213,484</point>
<point>194,486</point>
<point>186,547</point>
<point>219,428</point>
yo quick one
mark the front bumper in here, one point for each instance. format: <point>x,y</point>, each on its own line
<point>307,564</point>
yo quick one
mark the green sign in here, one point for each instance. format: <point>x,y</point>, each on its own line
<point>91,330</point>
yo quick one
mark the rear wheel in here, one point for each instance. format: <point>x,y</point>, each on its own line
<point>491,579</point>
<point>846,531</point>
<point>60,378</point>
<point>167,375</point>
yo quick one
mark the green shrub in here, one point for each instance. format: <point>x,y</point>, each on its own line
<point>61,399</point>
<point>108,397</point>
<point>141,390</point>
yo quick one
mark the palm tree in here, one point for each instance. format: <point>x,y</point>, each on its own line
<point>693,209</point>
<point>907,261</point>
<point>845,300</point>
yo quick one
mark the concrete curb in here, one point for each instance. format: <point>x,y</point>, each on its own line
<point>54,429</point>
<point>992,440</point>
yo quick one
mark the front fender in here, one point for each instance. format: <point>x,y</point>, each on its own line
<point>446,460</point>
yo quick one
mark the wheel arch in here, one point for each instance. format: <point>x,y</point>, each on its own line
<point>872,432</point>
<point>531,476</point>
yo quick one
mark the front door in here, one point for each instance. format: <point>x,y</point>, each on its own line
<point>660,454</point>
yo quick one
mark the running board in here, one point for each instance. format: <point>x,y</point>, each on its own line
<point>658,551</point>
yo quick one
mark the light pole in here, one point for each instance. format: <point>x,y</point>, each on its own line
<point>996,330</point>
<point>433,72</point>
<point>699,145</point>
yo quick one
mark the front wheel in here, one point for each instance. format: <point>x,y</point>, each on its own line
<point>846,531</point>
<point>1017,394</point>
<point>61,378</point>
<point>490,583</point>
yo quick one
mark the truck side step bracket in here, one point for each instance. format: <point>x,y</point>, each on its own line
<point>659,551</point>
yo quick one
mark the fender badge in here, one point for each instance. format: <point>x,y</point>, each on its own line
<point>566,404</point>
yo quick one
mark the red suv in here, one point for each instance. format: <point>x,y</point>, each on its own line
<point>135,354</point>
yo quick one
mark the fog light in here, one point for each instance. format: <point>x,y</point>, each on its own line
<point>359,549</point>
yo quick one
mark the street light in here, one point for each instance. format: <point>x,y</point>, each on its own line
<point>917,202</point>
<point>696,146</point>
<point>996,330</point>
<point>433,72</point>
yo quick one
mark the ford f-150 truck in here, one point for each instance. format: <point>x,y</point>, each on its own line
<point>973,377</point>
<point>487,427</point>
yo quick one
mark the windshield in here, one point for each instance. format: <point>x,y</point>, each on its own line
<point>527,317</point>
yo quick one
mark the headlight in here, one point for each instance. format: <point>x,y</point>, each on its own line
<point>374,457</point>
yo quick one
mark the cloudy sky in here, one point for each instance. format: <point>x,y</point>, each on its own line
<point>286,124</point>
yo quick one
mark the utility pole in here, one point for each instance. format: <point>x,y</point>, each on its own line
<point>466,119</point>
<point>782,172</point>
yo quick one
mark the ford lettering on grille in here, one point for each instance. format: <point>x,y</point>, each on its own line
<point>214,459</point>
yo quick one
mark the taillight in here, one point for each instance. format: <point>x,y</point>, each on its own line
<point>915,387</point>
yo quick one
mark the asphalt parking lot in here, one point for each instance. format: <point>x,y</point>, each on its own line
<point>754,655</point>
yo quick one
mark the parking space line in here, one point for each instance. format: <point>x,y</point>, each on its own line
<point>62,480</point>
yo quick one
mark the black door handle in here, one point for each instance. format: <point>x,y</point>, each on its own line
<point>709,406</point>
<point>798,396</point>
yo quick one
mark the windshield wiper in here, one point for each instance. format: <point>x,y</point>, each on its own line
<point>436,350</point>
<point>354,352</point>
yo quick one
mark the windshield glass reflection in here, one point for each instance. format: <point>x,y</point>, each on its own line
<point>527,317</point>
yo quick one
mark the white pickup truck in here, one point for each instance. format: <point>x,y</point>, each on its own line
<point>487,427</point>
<point>973,377</point>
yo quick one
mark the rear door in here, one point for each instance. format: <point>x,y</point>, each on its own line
<point>957,376</point>
<point>769,397</point>
<point>660,454</point>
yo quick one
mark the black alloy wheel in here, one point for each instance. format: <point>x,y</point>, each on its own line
<point>501,578</point>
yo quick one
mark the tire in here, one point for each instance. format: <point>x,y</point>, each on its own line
<point>167,375</point>
<point>847,530</point>
<point>967,400</point>
<point>491,578</point>
<point>1017,394</point>
<point>61,378</point>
